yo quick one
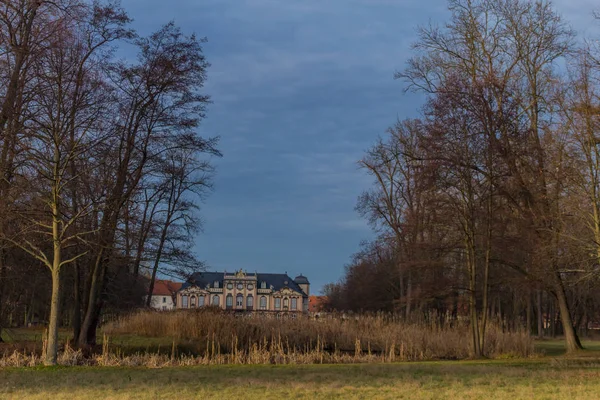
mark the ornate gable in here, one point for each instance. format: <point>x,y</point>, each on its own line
<point>194,290</point>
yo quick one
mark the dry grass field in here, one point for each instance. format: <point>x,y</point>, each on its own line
<point>181,356</point>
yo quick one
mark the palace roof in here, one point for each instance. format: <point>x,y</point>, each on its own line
<point>277,281</point>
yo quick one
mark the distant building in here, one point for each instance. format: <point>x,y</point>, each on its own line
<point>317,304</point>
<point>164,294</point>
<point>242,291</point>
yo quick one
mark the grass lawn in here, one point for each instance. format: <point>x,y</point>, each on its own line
<point>543,378</point>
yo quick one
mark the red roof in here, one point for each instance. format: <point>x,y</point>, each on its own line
<point>165,288</point>
<point>317,303</point>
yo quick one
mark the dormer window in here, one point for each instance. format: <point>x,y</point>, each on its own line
<point>216,284</point>
<point>263,285</point>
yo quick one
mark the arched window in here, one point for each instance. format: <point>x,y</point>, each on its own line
<point>200,301</point>
<point>229,300</point>
<point>286,303</point>
<point>263,303</point>
<point>184,302</point>
<point>249,301</point>
<point>192,301</point>
<point>239,300</point>
<point>294,303</point>
<point>216,301</point>
<point>277,303</point>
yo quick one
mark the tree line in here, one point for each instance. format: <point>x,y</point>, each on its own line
<point>488,204</point>
<point>102,166</point>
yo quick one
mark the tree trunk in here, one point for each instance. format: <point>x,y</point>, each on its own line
<point>408,295</point>
<point>163,238</point>
<point>486,275</point>
<point>540,315</point>
<point>94,289</point>
<point>473,296</point>
<point>572,342</point>
<point>76,323</point>
<point>52,344</point>
<point>528,313</point>
<point>2,269</point>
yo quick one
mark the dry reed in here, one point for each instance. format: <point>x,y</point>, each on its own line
<point>380,335</point>
<point>224,338</point>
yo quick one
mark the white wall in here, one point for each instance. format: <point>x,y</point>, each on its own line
<point>162,302</point>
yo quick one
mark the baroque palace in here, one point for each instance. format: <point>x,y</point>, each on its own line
<point>241,291</point>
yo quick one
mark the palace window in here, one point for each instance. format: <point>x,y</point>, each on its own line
<point>263,285</point>
<point>294,303</point>
<point>192,301</point>
<point>216,300</point>
<point>184,301</point>
<point>250,286</point>
<point>286,303</point>
<point>230,286</point>
<point>249,301</point>
<point>277,303</point>
<point>216,284</point>
<point>201,301</point>
<point>239,300</point>
<point>263,303</point>
<point>240,286</point>
<point>229,300</point>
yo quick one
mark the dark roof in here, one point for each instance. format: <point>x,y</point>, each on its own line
<point>201,279</point>
<point>278,281</point>
<point>301,279</point>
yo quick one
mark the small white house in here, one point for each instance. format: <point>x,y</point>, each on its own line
<point>164,295</point>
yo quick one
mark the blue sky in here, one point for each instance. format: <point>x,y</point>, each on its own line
<point>300,88</point>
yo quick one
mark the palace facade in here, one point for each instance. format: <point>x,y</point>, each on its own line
<point>241,291</point>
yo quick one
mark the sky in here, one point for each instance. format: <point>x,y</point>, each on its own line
<point>300,89</point>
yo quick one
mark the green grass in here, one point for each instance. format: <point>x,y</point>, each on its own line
<point>555,347</point>
<point>506,379</point>
<point>35,334</point>
<point>126,344</point>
